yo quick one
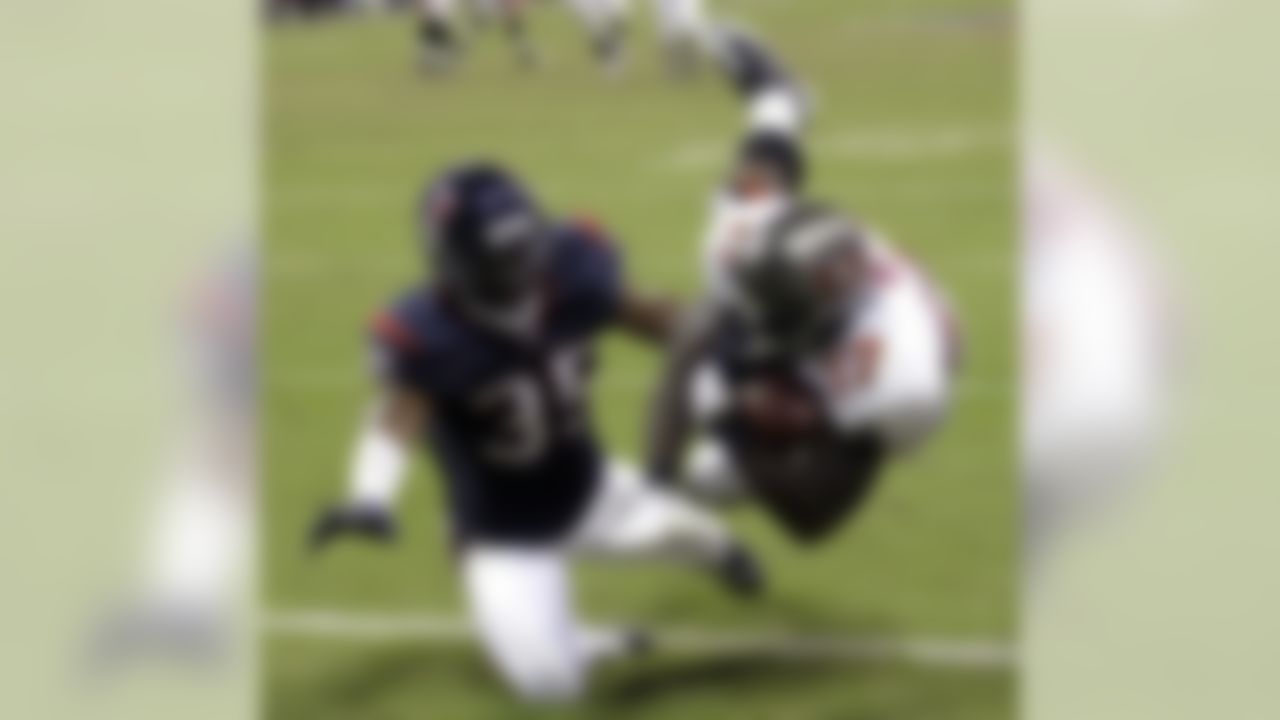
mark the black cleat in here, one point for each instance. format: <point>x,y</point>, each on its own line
<point>360,521</point>
<point>741,573</point>
<point>750,64</point>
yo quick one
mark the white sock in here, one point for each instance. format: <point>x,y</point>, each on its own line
<point>778,110</point>
<point>378,466</point>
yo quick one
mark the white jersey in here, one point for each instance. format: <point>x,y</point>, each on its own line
<point>892,369</point>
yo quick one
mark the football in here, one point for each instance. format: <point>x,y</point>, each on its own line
<point>778,410</point>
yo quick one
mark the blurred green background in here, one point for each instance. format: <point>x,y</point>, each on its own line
<point>914,132</point>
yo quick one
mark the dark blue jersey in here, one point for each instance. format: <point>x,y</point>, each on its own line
<point>509,423</point>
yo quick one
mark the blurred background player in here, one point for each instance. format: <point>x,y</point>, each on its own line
<point>682,26</point>
<point>606,23</point>
<point>488,364</point>
<point>1100,333</point>
<point>685,31</point>
<point>442,37</point>
<point>197,551</point>
<point>821,351</point>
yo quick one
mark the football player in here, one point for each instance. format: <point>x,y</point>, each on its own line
<point>826,354</point>
<point>685,33</point>
<point>682,26</point>
<point>487,364</point>
<point>198,542</point>
<point>441,38</point>
<point>820,353</point>
<point>606,23</point>
<point>438,34</point>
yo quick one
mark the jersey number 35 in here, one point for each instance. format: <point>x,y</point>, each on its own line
<point>531,409</point>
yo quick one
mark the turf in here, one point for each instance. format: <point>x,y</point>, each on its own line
<point>914,132</point>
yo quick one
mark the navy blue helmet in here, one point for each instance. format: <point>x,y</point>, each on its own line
<point>485,234</point>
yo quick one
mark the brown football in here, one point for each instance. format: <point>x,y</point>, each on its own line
<point>778,410</point>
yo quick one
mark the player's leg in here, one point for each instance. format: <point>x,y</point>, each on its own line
<point>632,518</point>
<point>712,477</point>
<point>777,101</point>
<point>770,168</point>
<point>606,23</point>
<point>710,474</point>
<point>512,14</point>
<point>523,610</point>
<point>438,34</point>
<point>682,26</point>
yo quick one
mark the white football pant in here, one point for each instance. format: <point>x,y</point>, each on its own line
<point>521,601</point>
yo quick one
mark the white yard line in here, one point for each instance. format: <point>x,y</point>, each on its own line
<point>429,627</point>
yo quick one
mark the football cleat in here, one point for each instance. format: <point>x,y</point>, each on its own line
<point>760,76</point>
<point>750,64</point>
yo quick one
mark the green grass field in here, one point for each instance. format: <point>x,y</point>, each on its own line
<point>914,132</point>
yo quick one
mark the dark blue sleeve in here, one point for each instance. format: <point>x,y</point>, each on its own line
<point>590,278</point>
<point>400,353</point>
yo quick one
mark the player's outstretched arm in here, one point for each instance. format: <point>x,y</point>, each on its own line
<point>379,463</point>
<point>671,418</point>
<point>648,317</point>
